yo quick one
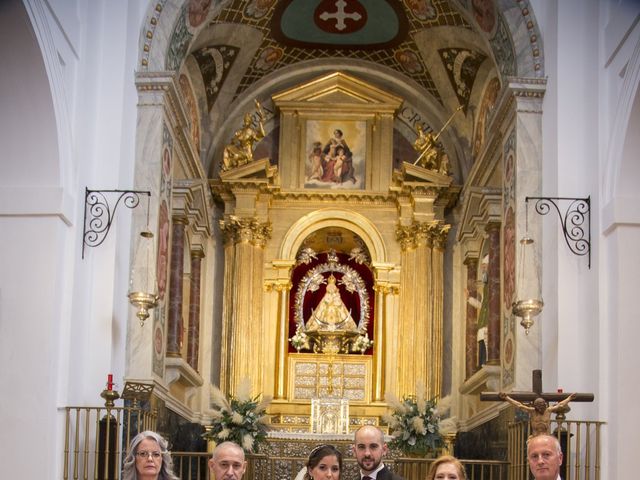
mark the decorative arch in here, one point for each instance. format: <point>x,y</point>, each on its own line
<point>621,170</point>
<point>331,217</point>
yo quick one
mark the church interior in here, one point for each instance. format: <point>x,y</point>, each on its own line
<point>329,206</point>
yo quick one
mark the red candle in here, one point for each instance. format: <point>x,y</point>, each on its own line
<point>559,390</point>
<point>110,382</point>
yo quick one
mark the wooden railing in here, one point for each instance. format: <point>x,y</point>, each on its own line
<point>580,441</point>
<point>96,437</point>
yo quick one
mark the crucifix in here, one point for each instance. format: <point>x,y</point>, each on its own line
<point>537,408</point>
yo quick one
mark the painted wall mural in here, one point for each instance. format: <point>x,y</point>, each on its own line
<point>509,259</point>
<point>214,62</point>
<point>192,111</point>
<point>462,67</point>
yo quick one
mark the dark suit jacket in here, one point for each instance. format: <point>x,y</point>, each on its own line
<point>386,474</point>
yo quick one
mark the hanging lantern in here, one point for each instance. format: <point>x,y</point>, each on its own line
<point>143,288</point>
<point>528,303</point>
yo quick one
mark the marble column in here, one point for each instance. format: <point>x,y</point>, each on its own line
<point>174,324</point>
<point>471,331</point>
<point>493,291</point>
<point>193,338</point>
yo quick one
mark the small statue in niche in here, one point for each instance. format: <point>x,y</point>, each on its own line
<point>240,151</point>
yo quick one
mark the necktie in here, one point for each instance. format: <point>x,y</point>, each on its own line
<point>367,478</point>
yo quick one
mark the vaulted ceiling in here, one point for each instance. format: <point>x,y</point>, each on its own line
<point>435,54</point>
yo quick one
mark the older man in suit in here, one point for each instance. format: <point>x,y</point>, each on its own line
<point>227,462</point>
<point>545,457</point>
<point>369,448</point>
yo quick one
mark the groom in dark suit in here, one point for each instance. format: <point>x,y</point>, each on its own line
<point>369,448</point>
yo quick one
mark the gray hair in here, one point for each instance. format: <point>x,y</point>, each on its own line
<point>129,471</point>
<point>225,445</point>
<point>553,438</point>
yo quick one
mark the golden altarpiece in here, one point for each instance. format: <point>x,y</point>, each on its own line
<point>333,281</point>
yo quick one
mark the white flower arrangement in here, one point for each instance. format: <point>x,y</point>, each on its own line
<point>240,419</point>
<point>362,343</point>
<point>415,422</point>
<point>300,340</point>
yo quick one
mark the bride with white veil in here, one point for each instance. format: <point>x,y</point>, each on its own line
<point>322,460</point>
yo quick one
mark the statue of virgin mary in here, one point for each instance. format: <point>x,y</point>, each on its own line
<point>331,313</point>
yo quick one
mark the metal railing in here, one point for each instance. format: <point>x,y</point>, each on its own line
<point>193,466</point>
<point>96,437</point>
<point>580,442</point>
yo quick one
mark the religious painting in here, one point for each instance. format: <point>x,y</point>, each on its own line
<point>487,105</point>
<point>422,9</point>
<point>198,10</point>
<point>258,8</point>
<point>484,12</point>
<point>192,111</point>
<point>335,154</point>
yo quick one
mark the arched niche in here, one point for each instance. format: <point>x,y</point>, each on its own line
<point>331,217</point>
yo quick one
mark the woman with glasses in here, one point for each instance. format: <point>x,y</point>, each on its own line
<point>148,459</point>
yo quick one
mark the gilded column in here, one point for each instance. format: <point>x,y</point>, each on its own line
<point>471,331</point>
<point>406,333</point>
<point>379,360</point>
<point>174,324</point>
<point>193,338</point>
<point>229,234</point>
<point>243,320</point>
<point>423,309</point>
<point>282,337</point>
<point>437,273</point>
<point>260,233</point>
<point>493,291</point>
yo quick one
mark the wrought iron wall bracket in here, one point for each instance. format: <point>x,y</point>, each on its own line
<point>99,213</point>
<point>575,220</point>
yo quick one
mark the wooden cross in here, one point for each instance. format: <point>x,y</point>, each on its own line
<point>539,414</point>
<point>536,392</point>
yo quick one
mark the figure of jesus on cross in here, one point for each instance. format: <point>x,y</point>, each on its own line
<point>539,413</point>
<point>538,409</point>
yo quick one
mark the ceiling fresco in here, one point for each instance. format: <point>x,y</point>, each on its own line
<point>447,51</point>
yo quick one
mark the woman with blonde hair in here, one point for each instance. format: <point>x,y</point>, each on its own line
<point>446,467</point>
<point>148,459</point>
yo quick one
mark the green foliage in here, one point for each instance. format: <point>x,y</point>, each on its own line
<point>414,424</point>
<point>241,420</point>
